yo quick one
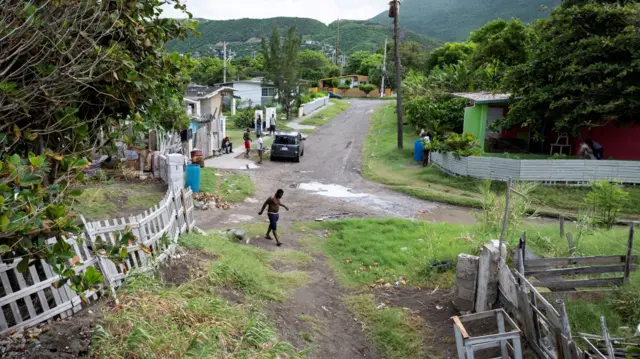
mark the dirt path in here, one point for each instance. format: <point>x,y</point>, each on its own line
<point>327,184</point>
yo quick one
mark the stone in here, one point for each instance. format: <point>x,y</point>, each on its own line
<point>466,278</point>
<point>237,234</point>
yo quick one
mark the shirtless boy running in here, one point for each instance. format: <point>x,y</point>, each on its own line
<point>274,206</point>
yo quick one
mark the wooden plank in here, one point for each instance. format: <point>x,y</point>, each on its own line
<point>607,340</point>
<point>36,279</point>
<point>542,273</point>
<point>186,217</point>
<point>572,247</point>
<point>17,316</point>
<point>575,261</point>
<point>532,288</point>
<point>580,294</point>
<point>456,321</point>
<point>27,298</point>
<point>59,310</point>
<point>627,263</point>
<point>581,283</point>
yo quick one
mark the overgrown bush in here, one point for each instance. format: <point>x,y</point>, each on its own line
<point>440,116</point>
<point>305,98</point>
<point>606,200</point>
<point>464,145</point>
<point>493,205</point>
<point>244,119</point>
<point>626,301</point>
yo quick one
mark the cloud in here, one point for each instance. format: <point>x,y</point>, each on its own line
<point>326,11</point>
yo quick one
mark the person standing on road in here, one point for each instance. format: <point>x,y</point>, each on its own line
<point>247,142</point>
<point>260,148</point>
<point>274,207</point>
<point>272,125</point>
<point>259,126</point>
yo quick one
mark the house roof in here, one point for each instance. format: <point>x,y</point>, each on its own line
<point>201,92</point>
<point>253,81</point>
<point>360,77</point>
<point>484,97</point>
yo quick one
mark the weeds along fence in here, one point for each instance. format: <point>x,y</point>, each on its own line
<point>31,297</point>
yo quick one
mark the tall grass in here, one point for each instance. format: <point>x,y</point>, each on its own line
<point>396,333</point>
<point>192,320</point>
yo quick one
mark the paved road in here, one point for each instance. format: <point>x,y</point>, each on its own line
<point>327,183</point>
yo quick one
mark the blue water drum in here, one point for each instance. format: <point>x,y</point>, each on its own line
<point>193,178</point>
<point>418,148</point>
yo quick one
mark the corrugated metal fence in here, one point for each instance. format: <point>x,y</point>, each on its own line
<point>32,297</point>
<point>547,171</point>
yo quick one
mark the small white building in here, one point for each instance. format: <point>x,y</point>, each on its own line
<point>252,92</point>
<point>203,104</point>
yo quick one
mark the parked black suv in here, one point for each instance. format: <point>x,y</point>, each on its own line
<point>288,145</point>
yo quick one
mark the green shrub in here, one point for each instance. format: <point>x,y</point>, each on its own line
<point>626,301</point>
<point>367,88</point>
<point>440,116</point>
<point>243,119</point>
<point>348,82</point>
<point>464,145</point>
<point>491,217</point>
<point>305,98</point>
<point>606,200</point>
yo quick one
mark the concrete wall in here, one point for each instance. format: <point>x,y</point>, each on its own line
<point>314,105</point>
<point>251,91</point>
<point>548,171</point>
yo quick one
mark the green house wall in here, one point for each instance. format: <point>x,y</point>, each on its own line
<point>475,122</point>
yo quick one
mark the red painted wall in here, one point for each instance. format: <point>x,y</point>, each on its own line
<point>620,143</point>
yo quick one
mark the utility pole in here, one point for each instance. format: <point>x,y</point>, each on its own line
<point>384,68</point>
<point>338,43</point>
<point>224,61</point>
<point>394,12</point>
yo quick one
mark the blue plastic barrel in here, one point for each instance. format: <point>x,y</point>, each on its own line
<point>418,148</point>
<point>193,178</point>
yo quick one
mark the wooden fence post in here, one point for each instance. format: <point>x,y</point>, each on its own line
<point>627,261</point>
<point>561,227</point>
<point>607,339</point>
<point>572,248</point>
<point>505,220</point>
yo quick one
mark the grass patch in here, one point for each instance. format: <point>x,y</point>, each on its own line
<point>366,251</point>
<point>306,336</point>
<point>191,320</point>
<point>292,257</point>
<point>394,331</point>
<point>119,199</point>
<point>245,268</point>
<point>232,187</point>
<point>384,163</point>
<point>323,116</point>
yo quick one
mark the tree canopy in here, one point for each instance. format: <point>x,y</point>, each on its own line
<point>282,66</point>
<point>73,75</point>
<point>583,70</point>
<point>315,66</point>
<point>210,71</point>
<point>505,43</point>
<point>450,54</point>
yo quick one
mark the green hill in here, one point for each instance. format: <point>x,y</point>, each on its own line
<point>453,20</point>
<point>368,36</point>
<point>244,35</point>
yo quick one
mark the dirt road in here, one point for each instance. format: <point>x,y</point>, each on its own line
<point>327,183</point>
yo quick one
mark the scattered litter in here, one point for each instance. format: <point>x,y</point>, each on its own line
<point>319,219</point>
<point>397,284</point>
<point>435,290</point>
<point>251,200</point>
<point>439,307</point>
<point>205,201</point>
<point>325,309</point>
<point>404,249</point>
<point>348,261</point>
<point>424,211</point>
<point>382,305</point>
<point>637,331</point>
<point>421,240</point>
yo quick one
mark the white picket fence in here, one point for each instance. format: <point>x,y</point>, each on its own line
<point>29,298</point>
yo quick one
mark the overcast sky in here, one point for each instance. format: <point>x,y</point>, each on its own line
<point>326,11</point>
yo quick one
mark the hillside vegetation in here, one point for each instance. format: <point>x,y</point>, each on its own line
<point>243,35</point>
<point>453,20</point>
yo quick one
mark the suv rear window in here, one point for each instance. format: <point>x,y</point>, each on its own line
<point>285,140</point>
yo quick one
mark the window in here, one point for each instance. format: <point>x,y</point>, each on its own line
<point>268,92</point>
<point>285,140</point>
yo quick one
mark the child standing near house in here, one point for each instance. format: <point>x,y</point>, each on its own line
<point>247,142</point>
